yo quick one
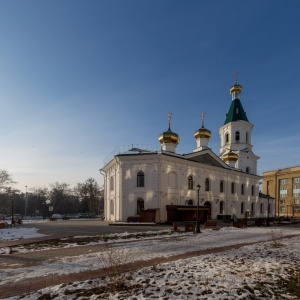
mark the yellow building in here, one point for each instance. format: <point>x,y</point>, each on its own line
<point>284,186</point>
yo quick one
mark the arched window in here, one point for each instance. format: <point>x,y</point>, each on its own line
<point>232,188</point>
<point>139,205</point>
<point>221,207</point>
<point>237,137</point>
<point>248,170</point>
<point>247,137</point>
<point>190,182</point>
<point>253,190</point>
<point>189,202</point>
<point>207,184</point>
<point>242,189</point>
<point>252,209</point>
<point>112,207</point>
<point>112,184</point>
<point>221,186</point>
<point>261,208</point>
<point>242,208</point>
<point>140,179</point>
<point>227,138</point>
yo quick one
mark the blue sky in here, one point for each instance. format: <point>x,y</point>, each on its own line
<point>78,78</point>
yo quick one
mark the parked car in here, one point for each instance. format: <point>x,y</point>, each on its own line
<point>57,216</point>
<point>84,215</point>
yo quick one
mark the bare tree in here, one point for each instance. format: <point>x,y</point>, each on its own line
<point>89,194</point>
<point>6,183</point>
<point>5,180</point>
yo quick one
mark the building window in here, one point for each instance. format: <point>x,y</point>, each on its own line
<point>296,180</point>
<point>282,209</point>
<point>139,206</point>
<point>261,208</point>
<point>247,137</point>
<point>227,138</point>
<point>248,170</point>
<point>221,207</point>
<point>283,192</point>
<point>242,208</point>
<point>232,188</point>
<point>253,190</point>
<point>189,202</point>
<point>252,209</point>
<point>112,207</point>
<point>237,137</point>
<point>296,190</point>
<point>140,179</point>
<point>283,181</point>
<point>207,184</point>
<point>221,186</point>
<point>112,184</point>
<point>242,189</point>
<point>190,182</point>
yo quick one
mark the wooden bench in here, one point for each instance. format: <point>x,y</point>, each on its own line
<point>188,226</point>
<point>240,223</point>
<point>211,224</point>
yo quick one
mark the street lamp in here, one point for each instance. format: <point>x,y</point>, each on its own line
<point>197,222</point>
<point>26,202</point>
<point>268,221</point>
<point>12,210</point>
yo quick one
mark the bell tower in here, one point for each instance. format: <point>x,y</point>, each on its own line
<point>236,134</point>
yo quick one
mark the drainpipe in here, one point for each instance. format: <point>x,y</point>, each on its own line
<point>277,191</point>
<point>105,190</point>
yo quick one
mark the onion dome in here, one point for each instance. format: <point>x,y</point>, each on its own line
<point>169,139</point>
<point>230,157</point>
<point>202,132</point>
<point>236,88</point>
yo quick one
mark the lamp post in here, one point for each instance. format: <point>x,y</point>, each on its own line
<point>26,202</point>
<point>12,210</point>
<point>197,222</point>
<point>268,221</point>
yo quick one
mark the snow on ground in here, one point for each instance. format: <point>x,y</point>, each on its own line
<point>252,272</point>
<point>18,233</point>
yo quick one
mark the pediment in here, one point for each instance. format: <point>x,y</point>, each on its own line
<point>207,157</point>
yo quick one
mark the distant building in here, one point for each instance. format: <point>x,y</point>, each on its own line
<point>284,186</point>
<point>166,186</point>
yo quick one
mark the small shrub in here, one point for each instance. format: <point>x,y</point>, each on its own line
<point>276,237</point>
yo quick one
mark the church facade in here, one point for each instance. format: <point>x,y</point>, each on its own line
<point>166,186</point>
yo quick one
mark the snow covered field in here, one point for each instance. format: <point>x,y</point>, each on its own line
<point>267,270</point>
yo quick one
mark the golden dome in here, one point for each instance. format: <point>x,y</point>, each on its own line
<point>169,137</point>
<point>230,156</point>
<point>236,88</point>
<point>202,133</point>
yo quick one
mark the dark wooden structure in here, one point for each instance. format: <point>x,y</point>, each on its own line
<point>183,213</point>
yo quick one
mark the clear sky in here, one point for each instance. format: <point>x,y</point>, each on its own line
<point>78,78</point>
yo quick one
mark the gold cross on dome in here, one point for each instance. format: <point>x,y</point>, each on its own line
<point>169,118</point>
<point>236,74</point>
<point>202,118</point>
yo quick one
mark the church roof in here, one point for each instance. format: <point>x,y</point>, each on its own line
<point>236,112</point>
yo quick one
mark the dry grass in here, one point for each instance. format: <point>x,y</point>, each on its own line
<point>276,237</point>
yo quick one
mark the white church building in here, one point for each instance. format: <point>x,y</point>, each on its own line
<point>165,186</point>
